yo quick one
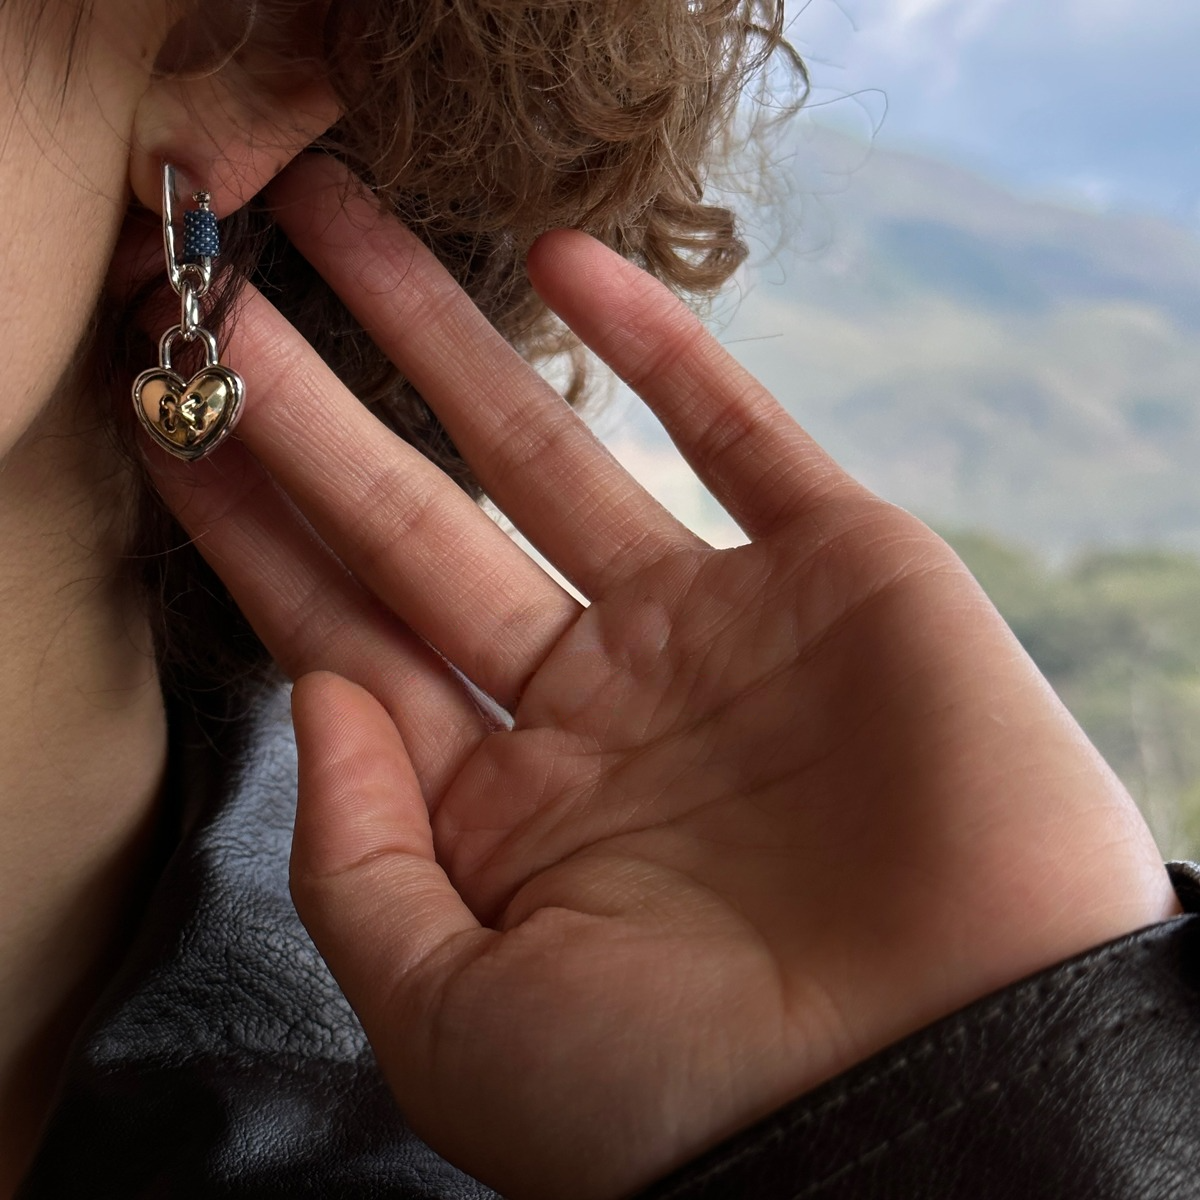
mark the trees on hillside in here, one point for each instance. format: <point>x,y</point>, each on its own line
<point>1117,633</point>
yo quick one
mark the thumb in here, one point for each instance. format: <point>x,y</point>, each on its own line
<point>363,874</point>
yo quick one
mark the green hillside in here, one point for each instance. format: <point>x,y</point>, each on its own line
<point>982,359</point>
<point>1118,635</point>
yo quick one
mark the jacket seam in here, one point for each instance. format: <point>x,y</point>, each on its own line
<point>925,1126</point>
<point>1064,979</point>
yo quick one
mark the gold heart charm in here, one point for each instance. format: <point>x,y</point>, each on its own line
<point>188,418</point>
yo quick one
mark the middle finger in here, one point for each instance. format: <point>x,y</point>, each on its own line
<point>534,456</point>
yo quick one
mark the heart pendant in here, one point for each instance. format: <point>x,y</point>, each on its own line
<point>188,418</point>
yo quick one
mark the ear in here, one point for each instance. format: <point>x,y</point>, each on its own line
<point>232,127</point>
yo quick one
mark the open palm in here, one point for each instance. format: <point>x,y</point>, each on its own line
<point>759,812</point>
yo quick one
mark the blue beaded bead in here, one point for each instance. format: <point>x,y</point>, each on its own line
<point>200,236</point>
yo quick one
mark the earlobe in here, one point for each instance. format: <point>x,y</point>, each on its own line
<point>226,132</point>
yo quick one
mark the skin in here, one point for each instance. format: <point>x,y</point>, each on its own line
<point>84,736</point>
<point>84,744</point>
<point>760,812</point>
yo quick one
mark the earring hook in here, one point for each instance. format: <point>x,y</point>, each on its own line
<point>201,272</point>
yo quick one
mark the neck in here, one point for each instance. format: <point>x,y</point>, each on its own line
<point>81,757</point>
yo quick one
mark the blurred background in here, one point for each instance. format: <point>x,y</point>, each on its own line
<point>976,281</point>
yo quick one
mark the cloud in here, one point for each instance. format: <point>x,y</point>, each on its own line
<point>1039,92</point>
<point>892,38</point>
<point>1101,20</point>
<point>923,22</point>
<point>906,12</point>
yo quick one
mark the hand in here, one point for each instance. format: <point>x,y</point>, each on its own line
<point>760,812</point>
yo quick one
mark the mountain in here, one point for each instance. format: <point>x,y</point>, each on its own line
<point>984,359</point>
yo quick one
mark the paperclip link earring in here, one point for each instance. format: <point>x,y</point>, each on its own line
<point>189,418</point>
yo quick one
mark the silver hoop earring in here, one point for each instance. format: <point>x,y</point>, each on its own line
<point>189,418</point>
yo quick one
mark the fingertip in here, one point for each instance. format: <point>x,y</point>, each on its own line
<point>305,176</point>
<point>314,193</point>
<point>557,250</point>
<point>333,718</point>
<point>313,691</point>
<point>358,794</point>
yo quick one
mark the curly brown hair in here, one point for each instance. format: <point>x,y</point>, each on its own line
<point>480,124</point>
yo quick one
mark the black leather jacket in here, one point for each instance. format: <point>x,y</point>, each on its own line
<point>223,1062</point>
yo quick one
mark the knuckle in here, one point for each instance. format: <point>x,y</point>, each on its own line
<point>547,441</point>
<point>731,429</point>
<point>515,647</point>
<point>662,341</point>
<point>306,624</point>
<point>435,301</point>
<point>396,513</point>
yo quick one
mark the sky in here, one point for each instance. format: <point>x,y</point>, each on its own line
<point>1092,101</point>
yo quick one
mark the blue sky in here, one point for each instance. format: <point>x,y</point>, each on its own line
<point>1095,101</point>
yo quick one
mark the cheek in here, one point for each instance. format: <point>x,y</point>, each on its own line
<point>64,153</point>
